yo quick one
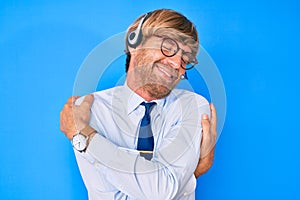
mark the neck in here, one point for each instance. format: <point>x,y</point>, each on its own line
<point>141,92</point>
<point>134,83</point>
<point>145,95</point>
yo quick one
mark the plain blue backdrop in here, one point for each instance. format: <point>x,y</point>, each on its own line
<point>255,45</point>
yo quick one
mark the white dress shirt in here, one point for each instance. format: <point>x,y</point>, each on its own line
<point>112,168</point>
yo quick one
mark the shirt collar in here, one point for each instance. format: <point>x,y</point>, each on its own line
<point>134,100</point>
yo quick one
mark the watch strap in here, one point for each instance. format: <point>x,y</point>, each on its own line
<point>88,130</point>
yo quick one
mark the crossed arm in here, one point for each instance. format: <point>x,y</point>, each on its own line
<point>74,118</point>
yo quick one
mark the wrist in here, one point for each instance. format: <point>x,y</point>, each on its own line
<point>90,138</point>
<point>87,131</point>
<point>81,140</point>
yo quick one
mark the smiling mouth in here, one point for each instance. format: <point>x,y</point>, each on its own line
<point>165,70</point>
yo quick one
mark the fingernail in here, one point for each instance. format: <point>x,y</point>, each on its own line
<point>204,116</point>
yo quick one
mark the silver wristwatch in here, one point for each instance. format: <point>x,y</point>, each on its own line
<point>80,140</point>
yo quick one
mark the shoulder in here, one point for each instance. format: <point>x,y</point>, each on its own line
<point>188,97</point>
<point>107,94</point>
<point>190,103</point>
<point>103,96</point>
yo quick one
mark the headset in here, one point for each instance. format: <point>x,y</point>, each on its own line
<point>135,37</point>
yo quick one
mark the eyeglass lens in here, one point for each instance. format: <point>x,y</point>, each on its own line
<point>169,48</point>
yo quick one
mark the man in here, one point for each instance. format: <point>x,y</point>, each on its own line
<point>141,140</point>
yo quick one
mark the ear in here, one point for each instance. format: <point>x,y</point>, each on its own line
<point>133,56</point>
<point>130,49</point>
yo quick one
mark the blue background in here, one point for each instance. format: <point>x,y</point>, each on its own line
<point>255,45</point>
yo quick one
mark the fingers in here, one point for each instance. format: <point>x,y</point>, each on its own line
<point>70,103</point>
<point>67,125</point>
<point>72,99</point>
<point>213,114</point>
<point>213,121</point>
<point>82,112</point>
<point>205,142</point>
<point>205,125</point>
<point>87,102</point>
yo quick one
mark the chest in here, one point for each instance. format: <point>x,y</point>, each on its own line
<point>122,128</point>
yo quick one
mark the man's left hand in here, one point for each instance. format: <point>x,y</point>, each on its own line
<point>207,147</point>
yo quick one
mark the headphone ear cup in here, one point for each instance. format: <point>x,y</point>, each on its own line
<point>134,38</point>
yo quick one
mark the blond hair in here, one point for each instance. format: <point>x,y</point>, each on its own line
<point>166,22</point>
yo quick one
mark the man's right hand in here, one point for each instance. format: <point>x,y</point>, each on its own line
<point>74,118</point>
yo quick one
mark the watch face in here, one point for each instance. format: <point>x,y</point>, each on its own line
<point>79,142</point>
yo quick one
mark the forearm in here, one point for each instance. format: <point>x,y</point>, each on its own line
<point>93,179</point>
<point>204,164</point>
<point>131,173</point>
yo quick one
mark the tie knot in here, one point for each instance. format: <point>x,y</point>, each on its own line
<point>146,118</point>
<point>148,106</point>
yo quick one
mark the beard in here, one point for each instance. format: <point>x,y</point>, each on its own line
<point>154,78</point>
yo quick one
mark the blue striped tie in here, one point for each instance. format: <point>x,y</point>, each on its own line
<point>146,141</point>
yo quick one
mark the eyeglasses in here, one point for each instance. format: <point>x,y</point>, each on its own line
<point>170,48</point>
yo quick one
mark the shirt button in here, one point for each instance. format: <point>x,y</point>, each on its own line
<point>184,194</point>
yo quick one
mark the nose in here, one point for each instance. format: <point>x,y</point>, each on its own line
<point>174,61</point>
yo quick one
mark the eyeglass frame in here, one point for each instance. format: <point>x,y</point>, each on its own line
<point>193,63</point>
